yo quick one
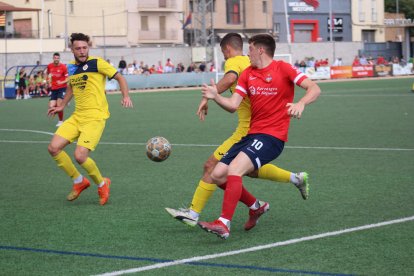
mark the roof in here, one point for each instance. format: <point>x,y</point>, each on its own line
<point>10,8</point>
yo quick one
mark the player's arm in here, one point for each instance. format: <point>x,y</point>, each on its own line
<point>123,85</point>
<point>230,104</point>
<point>313,91</point>
<point>68,96</point>
<point>225,83</point>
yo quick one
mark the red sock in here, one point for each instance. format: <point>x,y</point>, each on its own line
<point>60,115</point>
<point>231,196</point>
<point>246,197</point>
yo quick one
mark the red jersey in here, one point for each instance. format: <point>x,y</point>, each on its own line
<point>269,90</point>
<point>57,73</point>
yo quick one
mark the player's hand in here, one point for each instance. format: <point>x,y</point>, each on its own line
<point>53,110</point>
<point>127,102</point>
<point>202,109</point>
<point>295,110</point>
<point>209,92</point>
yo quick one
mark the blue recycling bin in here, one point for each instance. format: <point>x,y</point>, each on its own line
<point>9,92</point>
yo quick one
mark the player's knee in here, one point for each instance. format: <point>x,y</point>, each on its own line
<point>80,157</point>
<point>253,174</point>
<point>53,150</point>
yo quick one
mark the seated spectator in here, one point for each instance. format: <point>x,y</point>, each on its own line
<point>202,67</point>
<point>337,62</point>
<point>381,60</point>
<point>130,69</point>
<point>363,60</point>
<point>180,68</point>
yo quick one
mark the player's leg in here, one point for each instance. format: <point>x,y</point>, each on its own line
<point>59,103</point>
<point>65,135</point>
<point>276,174</point>
<point>205,187</point>
<point>87,141</point>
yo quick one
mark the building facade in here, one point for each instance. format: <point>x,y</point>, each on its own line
<point>309,21</point>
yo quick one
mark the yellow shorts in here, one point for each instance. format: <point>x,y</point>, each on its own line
<point>239,133</point>
<point>88,133</point>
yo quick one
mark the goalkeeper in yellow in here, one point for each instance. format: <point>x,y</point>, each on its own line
<point>87,77</point>
<point>232,49</point>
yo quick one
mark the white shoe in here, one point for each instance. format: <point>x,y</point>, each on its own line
<point>303,185</point>
<point>59,123</point>
<point>183,215</point>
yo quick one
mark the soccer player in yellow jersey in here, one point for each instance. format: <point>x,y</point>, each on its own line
<point>232,49</point>
<point>87,77</point>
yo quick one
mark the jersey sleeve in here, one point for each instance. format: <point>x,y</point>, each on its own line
<point>107,69</point>
<point>231,66</point>
<point>242,85</point>
<point>293,73</point>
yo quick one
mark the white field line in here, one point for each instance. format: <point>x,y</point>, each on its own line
<point>257,248</point>
<point>189,145</point>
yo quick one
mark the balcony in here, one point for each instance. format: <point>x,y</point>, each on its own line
<point>158,36</point>
<point>157,6</point>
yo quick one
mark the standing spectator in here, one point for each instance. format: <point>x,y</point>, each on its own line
<point>58,78</point>
<point>21,91</point>
<point>337,62</point>
<point>169,66</point>
<point>191,67</point>
<point>122,66</point>
<point>160,69</point>
<point>202,67</point>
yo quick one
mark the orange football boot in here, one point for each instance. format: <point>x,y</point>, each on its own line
<point>78,188</point>
<point>103,192</point>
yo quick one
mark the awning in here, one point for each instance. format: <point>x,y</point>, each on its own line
<point>9,8</point>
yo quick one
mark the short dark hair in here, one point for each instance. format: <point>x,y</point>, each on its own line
<point>80,37</point>
<point>266,41</point>
<point>56,54</point>
<point>233,39</point>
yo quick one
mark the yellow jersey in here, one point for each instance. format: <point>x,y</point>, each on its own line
<point>88,81</point>
<point>237,65</point>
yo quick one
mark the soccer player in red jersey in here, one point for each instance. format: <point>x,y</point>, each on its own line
<point>270,85</point>
<point>57,73</point>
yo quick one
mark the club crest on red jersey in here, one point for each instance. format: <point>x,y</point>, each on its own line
<point>268,78</point>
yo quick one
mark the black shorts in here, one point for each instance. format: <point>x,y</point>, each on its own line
<point>261,149</point>
<point>57,94</point>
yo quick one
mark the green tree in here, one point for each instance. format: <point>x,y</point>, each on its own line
<point>404,6</point>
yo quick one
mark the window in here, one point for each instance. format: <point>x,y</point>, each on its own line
<point>144,23</point>
<point>264,6</point>
<point>71,6</point>
<point>191,5</point>
<point>374,16</point>
<point>233,11</point>
<point>361,13</point>
<point>211,5</point>
<point>276,28</point>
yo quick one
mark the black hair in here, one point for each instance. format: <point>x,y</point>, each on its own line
<point>266,41</point>
<point>80,37</point>
<point>234,40</point>
<point>56,54</point>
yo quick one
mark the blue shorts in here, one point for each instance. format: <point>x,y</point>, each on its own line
<point>57,94</point>
<point>260,148</point>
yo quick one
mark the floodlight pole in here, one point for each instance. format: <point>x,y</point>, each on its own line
<point>287,27</point>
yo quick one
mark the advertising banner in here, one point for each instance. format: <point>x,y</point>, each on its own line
<point>362,71</point>
<point>398,69</point>
<point>382,70</point>
<point>321,73</point>
<point>341,72</point>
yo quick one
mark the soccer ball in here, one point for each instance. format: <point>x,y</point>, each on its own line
<point>158,149</point>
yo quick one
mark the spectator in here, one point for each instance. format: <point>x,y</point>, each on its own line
<point>356,61</point>
<point>21,92</point>
<point>130,70</point>
<point>122,66</point>
<point>337,62</point>
<point>160,69</point>
<point>169,66</point>
<point>180,68</point>
<point>363,60</point>
<point>202,67</point>
<point>191,68</point>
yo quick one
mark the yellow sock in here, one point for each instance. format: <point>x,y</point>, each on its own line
<point>90,167</point>
<point>271,172</point>
<point>202,194</point>
<point>65,163</point>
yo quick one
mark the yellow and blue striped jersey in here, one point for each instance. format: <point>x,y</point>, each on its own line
<point>88,81</point>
